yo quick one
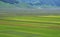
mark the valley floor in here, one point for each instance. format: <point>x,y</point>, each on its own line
<point>30,26</point>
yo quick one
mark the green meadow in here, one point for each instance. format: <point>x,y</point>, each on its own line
<point>30,26</point>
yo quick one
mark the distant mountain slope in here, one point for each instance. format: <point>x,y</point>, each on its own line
<point>6,5</point>
<point>31,3</point>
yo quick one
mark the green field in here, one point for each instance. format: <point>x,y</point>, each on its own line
<point>30,26</point>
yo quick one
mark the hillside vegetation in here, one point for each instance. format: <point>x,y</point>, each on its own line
<point>30,26</point>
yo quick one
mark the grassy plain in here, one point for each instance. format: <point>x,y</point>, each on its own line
<point>30,26</point>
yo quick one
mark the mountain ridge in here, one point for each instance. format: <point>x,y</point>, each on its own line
<point>38,4</point>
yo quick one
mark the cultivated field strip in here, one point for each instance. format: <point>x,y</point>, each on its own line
<point>30,26</point>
